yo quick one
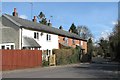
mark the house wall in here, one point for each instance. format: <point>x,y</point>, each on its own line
<point>85,46</point>
<point>76,42</point>
<point>42,40</point>
<point>60,39</point>
<point>70,41</point>
<point>10,33</point>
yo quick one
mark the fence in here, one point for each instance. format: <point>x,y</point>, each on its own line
<point>18,59</point>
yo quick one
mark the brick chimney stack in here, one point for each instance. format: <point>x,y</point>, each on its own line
<point>70,30</point>
<point>34,20</point>
<point>15,12</point>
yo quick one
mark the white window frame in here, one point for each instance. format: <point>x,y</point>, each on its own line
<point>81,42</point>
<point>8,45</point>
<point>36,35</point>
<point>48,37</point>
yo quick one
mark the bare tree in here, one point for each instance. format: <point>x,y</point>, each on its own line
<point>84,32</point>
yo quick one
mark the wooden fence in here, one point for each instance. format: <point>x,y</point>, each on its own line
<point>20,59</point>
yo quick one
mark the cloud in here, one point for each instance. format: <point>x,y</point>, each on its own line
<point>23,16</point>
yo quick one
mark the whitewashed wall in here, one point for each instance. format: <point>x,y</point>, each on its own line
<point>42,41</point>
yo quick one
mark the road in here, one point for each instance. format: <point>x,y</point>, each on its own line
<point>100,68</point>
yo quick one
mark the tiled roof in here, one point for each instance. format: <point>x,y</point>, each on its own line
<point>23,23</point>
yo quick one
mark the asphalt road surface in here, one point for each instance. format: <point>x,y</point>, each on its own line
<point>100,68</point>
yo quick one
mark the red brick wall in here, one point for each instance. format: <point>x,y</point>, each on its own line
<point>85,46</point>
<point>18,59</point>
<point>60,39</point>
<point>70,42</point>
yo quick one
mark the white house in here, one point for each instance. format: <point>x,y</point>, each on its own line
<point>18,33</point>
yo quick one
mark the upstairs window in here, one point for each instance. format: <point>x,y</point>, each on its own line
<point>36,35</point>
<point>81,42</point>
<point>48,37</point>
<point>66,40</point>
<point>73,41</point>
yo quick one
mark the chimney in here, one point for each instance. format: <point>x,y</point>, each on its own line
<point>34,20</point>
<point>70,30</point>
<point>15,12</point>
<point>49,23</point>
<point>61,27</point>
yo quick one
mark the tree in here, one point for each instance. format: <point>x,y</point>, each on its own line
<point>41,15</point>
<point>42,18</point>
<point>84,32</point>
<point>114,40</point>
<point>43,21</point>
<point>104,45</point>
<point>73,29</point>
<point>90,48</point>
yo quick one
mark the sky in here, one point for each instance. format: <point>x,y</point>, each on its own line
<point>99,17</point>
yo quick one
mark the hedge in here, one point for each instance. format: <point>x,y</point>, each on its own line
<point>67,56</point>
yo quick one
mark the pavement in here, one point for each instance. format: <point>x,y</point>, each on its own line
<point>100,68</point>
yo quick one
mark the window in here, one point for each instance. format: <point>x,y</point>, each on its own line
<point>8,46</point>
<point>66,40</point>
<point>81,42</point>
<point>48,38</point>
<point>36,35</point>
<point>73,41</point>
<point>12,46</point>
<point>3,47</point>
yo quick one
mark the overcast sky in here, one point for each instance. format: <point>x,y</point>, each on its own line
<point>99,17</point>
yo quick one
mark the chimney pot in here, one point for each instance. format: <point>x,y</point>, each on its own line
<point>14,9</point>
<point>34,17</point>
<point>15,12</point>
<point>34,20</point>
<point>70,30</point>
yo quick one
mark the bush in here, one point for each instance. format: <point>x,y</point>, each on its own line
<point>45,63</point>
<point>66,56</point>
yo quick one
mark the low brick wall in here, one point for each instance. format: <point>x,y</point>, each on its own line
<point>20,59</point>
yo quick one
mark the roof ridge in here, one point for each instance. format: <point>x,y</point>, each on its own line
<point>25,23</point>
<point>12,20</point>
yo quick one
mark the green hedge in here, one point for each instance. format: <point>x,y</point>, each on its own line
<point>67,56</point>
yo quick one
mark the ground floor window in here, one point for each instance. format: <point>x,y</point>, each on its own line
<point>2,47</point>
<point>7,46</point>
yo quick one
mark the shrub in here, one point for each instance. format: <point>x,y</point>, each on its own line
<point>67,56</point>
<point>45,63</point>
